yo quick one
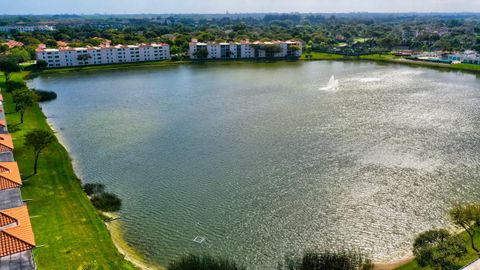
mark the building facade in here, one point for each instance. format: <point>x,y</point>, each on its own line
<point>70,57</point>
<point>244,50</point>
<point>26,28</point>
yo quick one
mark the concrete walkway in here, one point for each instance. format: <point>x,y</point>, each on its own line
<point>473,266</point>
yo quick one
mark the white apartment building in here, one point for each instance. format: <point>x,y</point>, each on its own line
<point>26,28</point>
<point>69,57</point>
<point>246,49</point>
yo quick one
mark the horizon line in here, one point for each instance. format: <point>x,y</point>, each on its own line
<point>247,13</point>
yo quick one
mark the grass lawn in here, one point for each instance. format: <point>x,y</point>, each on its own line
<point>323,56</point>
<point>68,229</point>
<point>113,66</point>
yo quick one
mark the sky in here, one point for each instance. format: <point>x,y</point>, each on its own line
<point>240,6</point>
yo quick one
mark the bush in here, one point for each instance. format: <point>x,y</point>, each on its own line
<point>14,85</point>
<point>107,202</point>
<point>45,95</point>
<point>41,64</point>
<point>93,188</point>
<point>175,58</point>
<point>193,262</point>
<point>331,260</point>
<point>439,249</point>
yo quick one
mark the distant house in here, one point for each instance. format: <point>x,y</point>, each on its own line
<point>26,28</point>
<point>16,239</point>
<point>404,53</point>
<point>62,44</point>
<point>340,38</point>
<point>245,49</point>
<point>13,44</point>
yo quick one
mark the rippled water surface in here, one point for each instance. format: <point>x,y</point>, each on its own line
<point>260,161</point>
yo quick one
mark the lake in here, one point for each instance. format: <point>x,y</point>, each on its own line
<point>262,161</point>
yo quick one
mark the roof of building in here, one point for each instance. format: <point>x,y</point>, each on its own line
<point>246,42</point>
<point>13,43</point>
<point>6,143</point>
<point>9,175</point>
<point>16,234</point>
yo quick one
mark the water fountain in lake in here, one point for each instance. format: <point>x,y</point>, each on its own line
<point>332,84</point>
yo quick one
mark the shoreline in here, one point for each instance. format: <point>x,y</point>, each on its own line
<point>375,58</point>
<point>114,228</point>
<point>129,253</point>
<point>393,264</point>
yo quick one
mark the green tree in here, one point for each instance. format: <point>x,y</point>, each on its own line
<point>466,216</point>
<point>41,64</point>
<point>8,66</point>
<point>107,202</point>
<point>38,140</point>
<point>11,86</point>
<point>202,53</point>
<point>24,99</point>
<point>20,53</point>
<point>93,188</point>
<point>3,48</point>
<point>439,249</point>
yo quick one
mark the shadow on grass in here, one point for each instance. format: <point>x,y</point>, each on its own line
<point>27,177</point>
<point>12,128</point>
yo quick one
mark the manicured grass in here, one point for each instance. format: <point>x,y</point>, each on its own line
<point>113,66</point>
<point>324,56</point>
<point>68,229</point>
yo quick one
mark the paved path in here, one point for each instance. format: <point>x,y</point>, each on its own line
<point>473,266</point>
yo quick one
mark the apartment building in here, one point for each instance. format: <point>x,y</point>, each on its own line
<point>69,57</point>
<point>26,28</point>
<point>244,49</point>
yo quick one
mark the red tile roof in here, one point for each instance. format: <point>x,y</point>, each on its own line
<point>6,143</point>
<point>6,220</point>
<point>18,235</point>
<point>9,175</point>
<point>13,43</point>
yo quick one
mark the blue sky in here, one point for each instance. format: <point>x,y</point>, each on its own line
<point>220,6</point>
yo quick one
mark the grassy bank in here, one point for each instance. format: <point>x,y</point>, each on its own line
<point>113,66</point>
<point>389,58</point>
<point>465,260</point>
<point>68,229</point>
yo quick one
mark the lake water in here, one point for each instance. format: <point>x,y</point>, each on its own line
<point>262,162</point>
